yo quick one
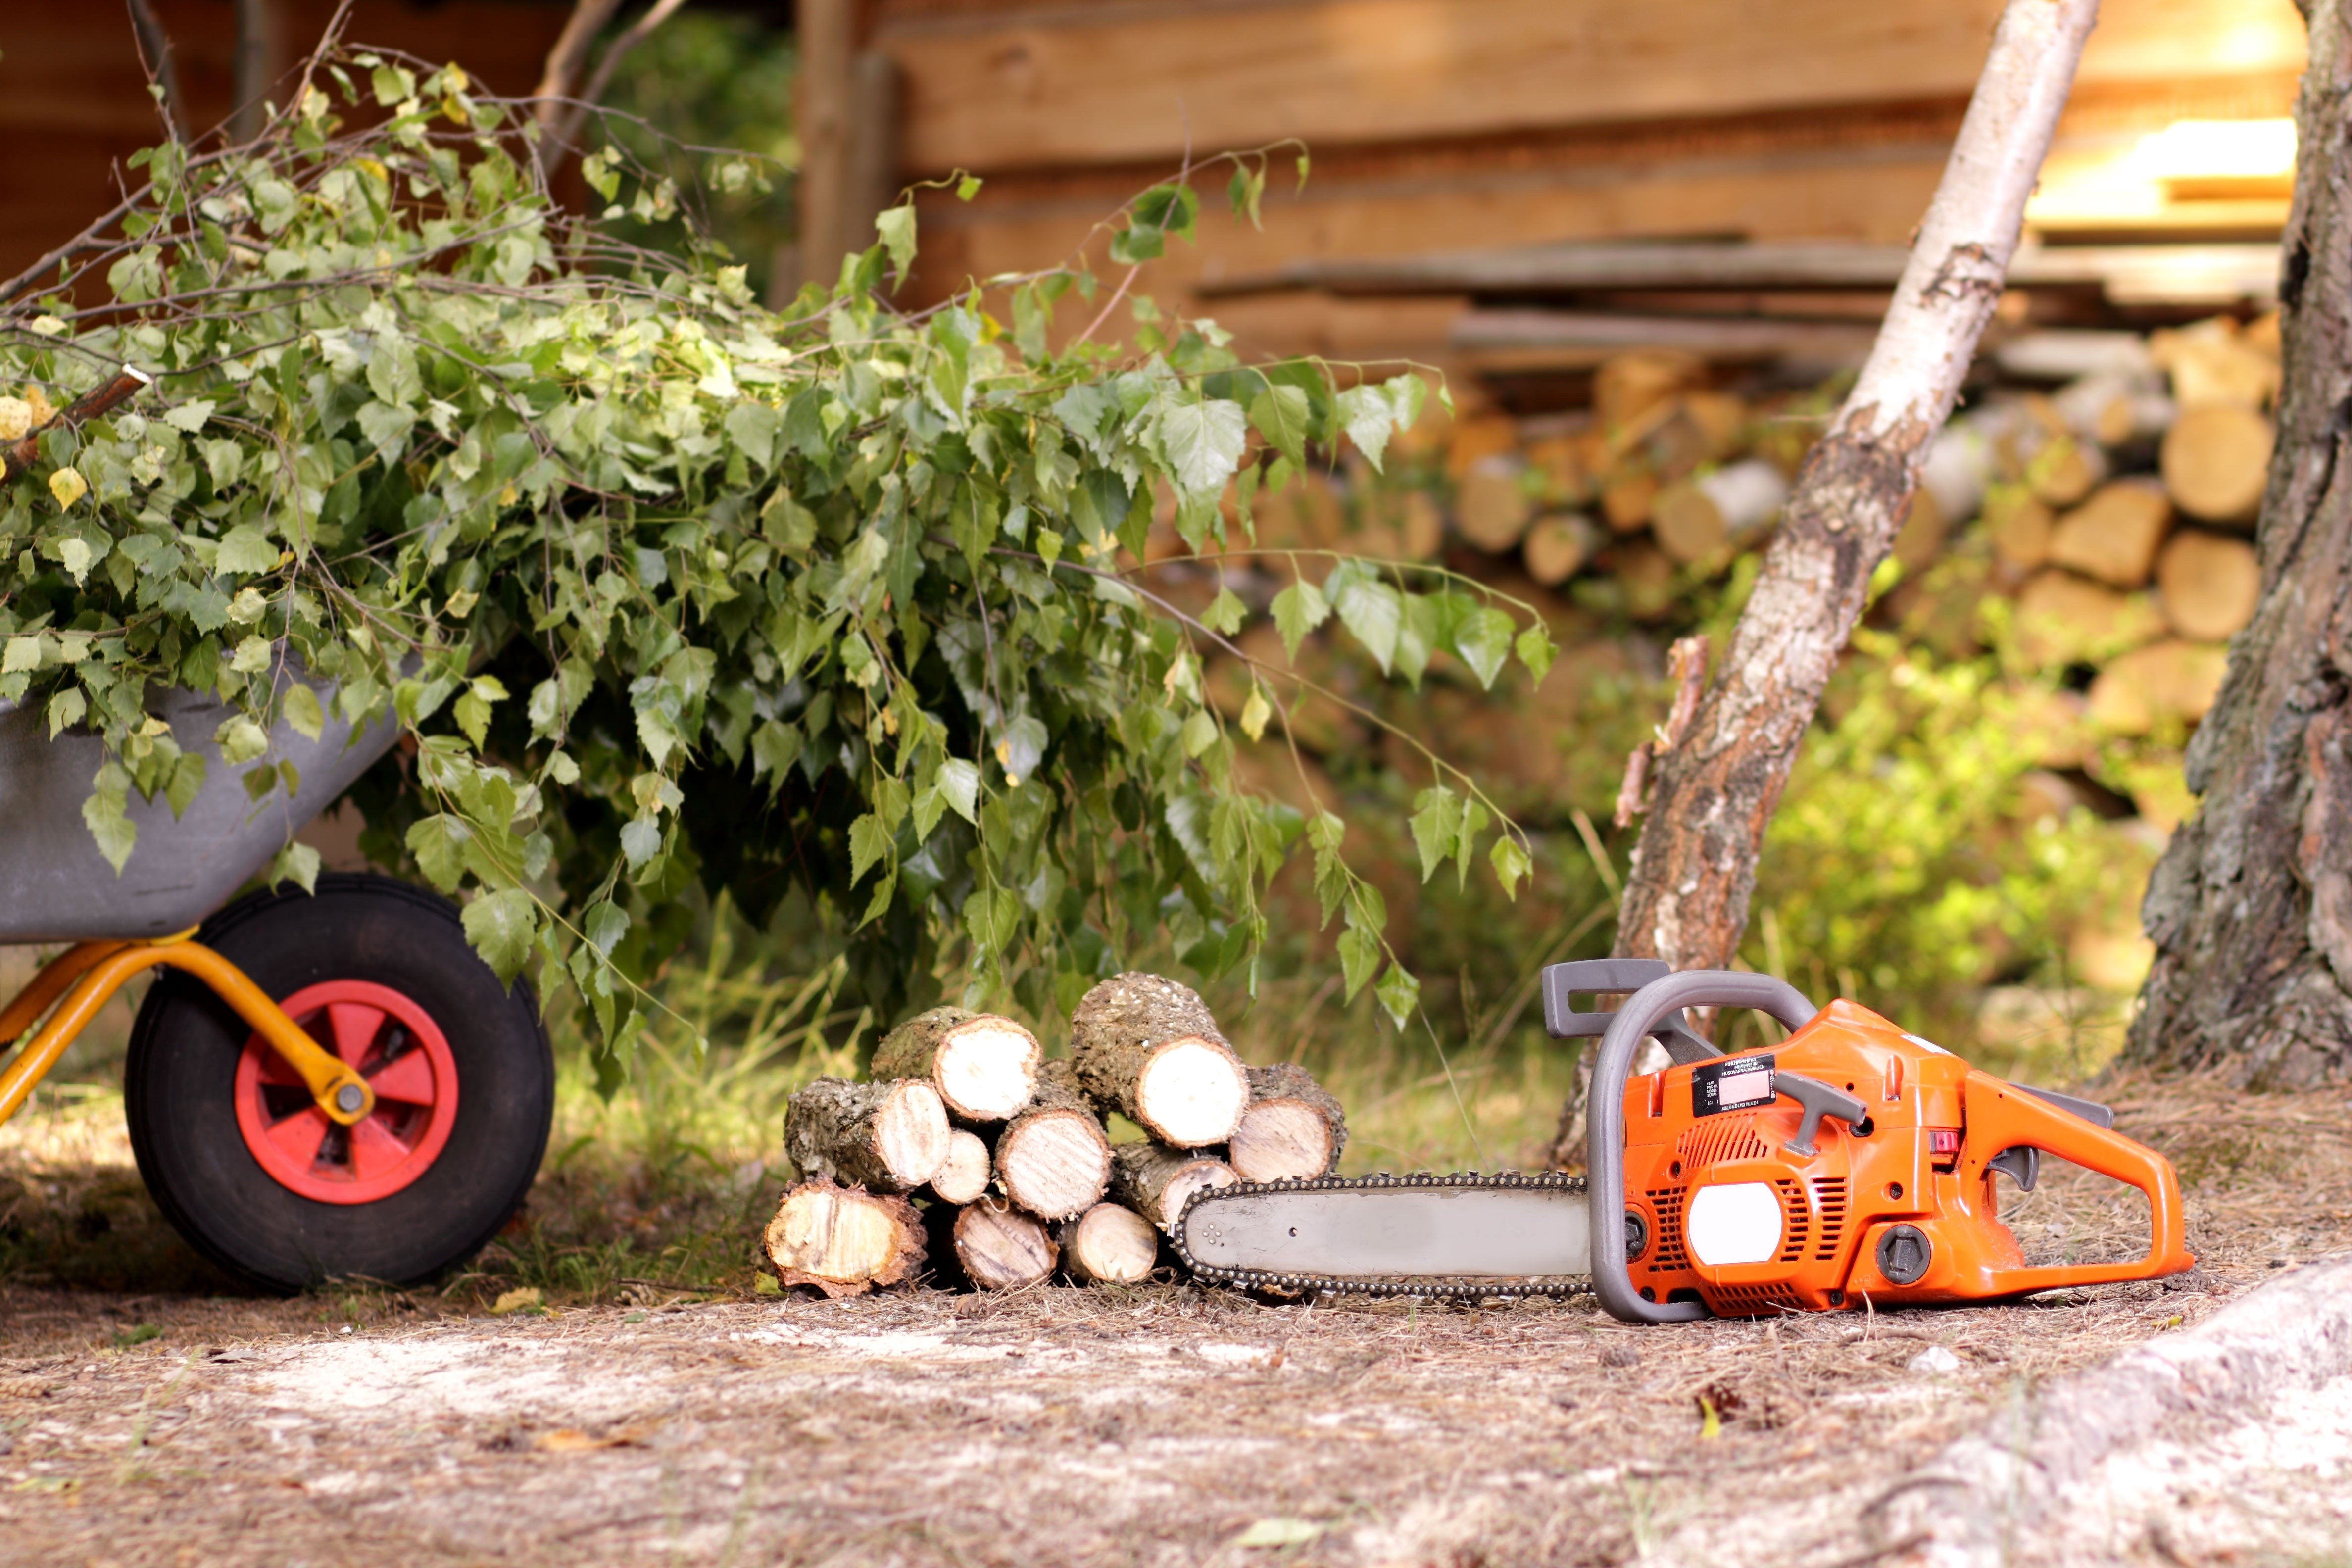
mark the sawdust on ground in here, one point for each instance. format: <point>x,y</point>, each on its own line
<point>1161,1425</point>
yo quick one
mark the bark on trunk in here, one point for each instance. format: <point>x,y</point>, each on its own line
<point>843,1241</point>
<point>984,1067</point>
<point>1055,1157</point>
<point>1293,1130</point>
<point>2251,907</point>
<point>963,1177</point>
<point>1150,1048</point>
<point>889,1137</point>
<point>1155,1182</point>
<point>1001,1248</point>
<point>1686,898</point>
<point>1109,1244</point>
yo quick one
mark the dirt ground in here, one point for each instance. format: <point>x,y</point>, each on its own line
<point>1161,1425</point>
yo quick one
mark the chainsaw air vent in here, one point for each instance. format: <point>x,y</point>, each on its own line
<point>1797,1222</point>
<point>1719,1139</point>
<point>1756,1298</point>
<point>1669,1258</point>
<point>1829,1201</point>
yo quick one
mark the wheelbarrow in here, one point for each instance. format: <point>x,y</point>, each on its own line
<point>320,1085</point>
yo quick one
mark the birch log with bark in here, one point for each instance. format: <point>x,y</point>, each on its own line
<point>984,1067</point>
<point>843,1241</point>
<point>1053,1158</point>
<point>1155,1182</point>
<point>1150,1048</point>
<point>889,1136</point>
<point>2250,907</point>
<point>1686,896</point>
<point>1293,1130</point>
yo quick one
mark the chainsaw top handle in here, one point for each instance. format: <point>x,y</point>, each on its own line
<point>1605,1112</point>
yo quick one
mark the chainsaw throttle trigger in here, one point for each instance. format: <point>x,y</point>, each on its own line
<point>1819,1100</point>
<point>2021,1164</point>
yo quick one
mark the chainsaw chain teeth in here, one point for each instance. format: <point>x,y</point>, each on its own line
<point>1426,1287</point>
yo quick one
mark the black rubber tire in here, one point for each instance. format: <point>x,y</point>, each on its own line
<point>178,1090</point>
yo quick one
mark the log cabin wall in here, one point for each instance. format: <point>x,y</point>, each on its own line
<point>74,103</point>
<point>1464,124</point>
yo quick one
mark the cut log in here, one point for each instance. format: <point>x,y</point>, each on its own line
<point>1626,499</point>
<point>843,1240</point>
<point>2020,524</point>
<point>1001,1248</point>
<point>1697,519</point>
<point>2062,619</point>
<point>1492,507</point>
<point>2115,536</point>
<point>2211,362</point>
<point>1479,438</point>
<point>1920,539</point>
<point>984,1067</point>
<point>889,1136</point>
<point>2171,680</point>
<point>2208,584</point>
<point>1109,1244</point>
<point>1148,1048</point>
<point>1629,385</point>
<point>1557,545</point>
<point>1053,1159</point>
<point>2216,459</point>
<point>963,1177</point>
<point>2063,469</point>
<point>1293,1130</point>
<point>1157,1182</point>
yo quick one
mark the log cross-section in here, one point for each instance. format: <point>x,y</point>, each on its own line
<point>843,1241</point>
<point>1053,1159</point>
<point>889,1136</point>
<point>963,1177</point>
<point>1150,1047</point>
<point>984,1067</point>
<point>1294,1129</point>
<point>1109,1244</point>
<point>1001,1248</point>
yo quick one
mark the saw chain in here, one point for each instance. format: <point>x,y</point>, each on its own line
<point>1421,1286</point>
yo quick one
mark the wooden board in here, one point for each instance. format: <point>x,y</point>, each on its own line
<point>1068,86</point>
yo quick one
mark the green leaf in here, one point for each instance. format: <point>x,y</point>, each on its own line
<point>1359,955</point>
<point>1511,865</point>
<point>1484,640</point>
<point>1374,612</point>
<point>1399,993</point>
<point>1285,416</point>
<point>959,785</point>
<point>438,844</point>
<point>869,841</point>
<point>240,740</point>
<point>190,417</point>
<point>501,927</point>
<point>298,864</point>
<point>1225,612</point>
<point>1202,438</point>
<point>302,711</point>
<point>1534,649</point>
<point>473,717</point>
<point>1200,732</point>
<point>1465,842</point>
<point>245,549</point>
<point>1437,825</point>
<point>896,225</point>
<point>187,782</point>
<point>1299,610</point>
<point>641,840</point>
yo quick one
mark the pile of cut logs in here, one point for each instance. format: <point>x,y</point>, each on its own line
<point>967,1154</point>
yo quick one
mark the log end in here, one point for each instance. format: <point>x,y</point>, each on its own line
<point>1191,1093</point>
<point>844,1241</point>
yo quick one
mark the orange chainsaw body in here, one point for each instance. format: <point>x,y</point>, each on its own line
<point>1729,1211</point>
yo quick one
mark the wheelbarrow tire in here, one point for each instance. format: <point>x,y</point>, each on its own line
<point>365,935</point>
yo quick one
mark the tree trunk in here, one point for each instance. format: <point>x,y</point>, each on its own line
<point>984,1067</point>
<point>889,1137</point>
<point>1109,1244</point>
<point>843,1241</point>
<point>1155,1182</point>
<point>1055,1157</point>
<point>1293,1129</point>
<point>1150,1048</point>
<point>1686,898</point>
<point>2251,907</point>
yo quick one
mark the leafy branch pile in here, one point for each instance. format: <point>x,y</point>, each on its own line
<point>668,587</point>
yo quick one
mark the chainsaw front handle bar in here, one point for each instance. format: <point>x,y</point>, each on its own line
<point>1604,1113</point>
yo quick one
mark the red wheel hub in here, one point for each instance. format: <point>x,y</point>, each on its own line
<point>393,1044</point>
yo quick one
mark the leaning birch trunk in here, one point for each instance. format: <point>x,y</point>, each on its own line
<point>1001,1248</point>
<point>889,1137</point>
<point>1055,1157</point>
<point>984,1067</point>
<point>1148,1048</point>
<point>1293,1130</point>
<point>1686,898</point>
<point>843,1241</point>
<point>1109,1244</point>
<point>1156,1182</point>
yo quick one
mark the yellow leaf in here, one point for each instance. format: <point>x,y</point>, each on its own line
<point>67,486</point>
<point>1255,713</point>
<point>527,1298</point>
<point>15,419</point>
<point>35,398</point>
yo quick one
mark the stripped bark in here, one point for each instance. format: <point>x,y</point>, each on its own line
<point>1148,1048</point>
<point>984,1067</point>
<point>963,1177</point>
<point>1053,1159</point>
<point>1109,1244</point>
<point>1001,1248</point>
<point>843,1240</point>
<point>2251,907</point>
<point>1686,898</point>
<point>1293,1129</point>
<point>888,1136</point>
<point>1155,1182</point>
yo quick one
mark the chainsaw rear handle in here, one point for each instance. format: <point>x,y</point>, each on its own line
<point>1604,1113</point>
<point>2000,1117</point>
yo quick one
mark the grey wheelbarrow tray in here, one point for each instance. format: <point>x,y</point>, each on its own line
<point>54,885</point>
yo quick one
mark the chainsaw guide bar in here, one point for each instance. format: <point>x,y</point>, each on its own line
<point>1200,1238</point>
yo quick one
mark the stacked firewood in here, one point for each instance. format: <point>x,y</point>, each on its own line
<point>969,1154</point>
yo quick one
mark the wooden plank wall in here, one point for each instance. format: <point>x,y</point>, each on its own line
<point>73,103</point>
<point>1442,124</point>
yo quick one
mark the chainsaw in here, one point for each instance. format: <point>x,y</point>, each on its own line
<point>1851,1164</point>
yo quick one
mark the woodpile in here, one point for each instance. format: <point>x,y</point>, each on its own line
<point>935,1164</point>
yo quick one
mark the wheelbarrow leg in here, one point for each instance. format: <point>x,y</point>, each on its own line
<point>87,976</point>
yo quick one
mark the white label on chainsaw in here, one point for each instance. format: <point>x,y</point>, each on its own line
<point>1735,1224</point>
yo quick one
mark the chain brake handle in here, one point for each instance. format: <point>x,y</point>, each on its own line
<point>1643,1014</point>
